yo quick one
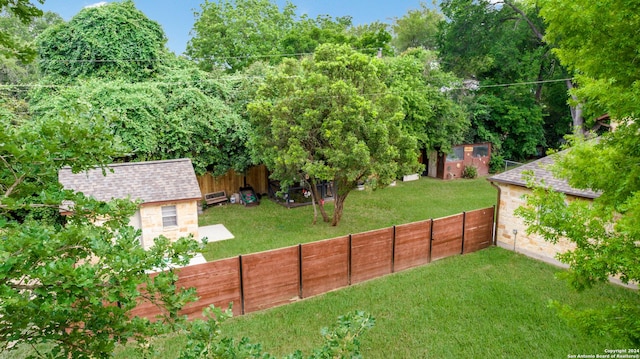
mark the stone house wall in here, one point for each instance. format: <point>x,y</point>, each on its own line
<point>511,197</point>
<point>151,221</point>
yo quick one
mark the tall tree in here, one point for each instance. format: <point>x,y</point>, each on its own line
<point>114,40</point>
<point>607,232</point>
<point>308,33</point>
<point>168,110</point>
<point>500,46</point>
<point>604,67</point>
<point>178,115</point>
<point>417,28</point>
<point>233,34</point>
<point>10,44</point>
<point>18,73</point>
<point>13,70</point>
<point>331,117</point>
<point>372,39</point>
<point>432,114</point>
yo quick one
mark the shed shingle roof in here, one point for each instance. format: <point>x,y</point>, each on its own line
<point>541,171</point>
<point>152,181</point>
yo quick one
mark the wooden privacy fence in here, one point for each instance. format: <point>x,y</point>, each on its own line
<point>231,181</point>
<point>267,279</point>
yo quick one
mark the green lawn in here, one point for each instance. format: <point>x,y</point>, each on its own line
<point>488,304</point>
<point>271,226</point>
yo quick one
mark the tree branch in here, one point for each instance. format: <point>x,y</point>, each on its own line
<point>9,190</point>
<point>34,205</point>
<point>533,27</point>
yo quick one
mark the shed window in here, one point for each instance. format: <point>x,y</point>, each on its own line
<point>481,151</point>
<point>169,216</point>
<point>456,154</point>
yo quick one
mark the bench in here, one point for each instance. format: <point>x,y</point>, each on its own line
<point>216,198</point>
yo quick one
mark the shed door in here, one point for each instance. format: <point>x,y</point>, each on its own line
<point>440,165</point>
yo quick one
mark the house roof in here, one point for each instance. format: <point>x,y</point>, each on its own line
<point>152,181</point>
<point>542,172</point>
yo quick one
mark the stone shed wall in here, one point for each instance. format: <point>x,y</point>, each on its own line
<point>151,221</point>
<point>511,197</point>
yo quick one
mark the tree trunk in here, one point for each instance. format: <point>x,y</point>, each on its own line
<point>576,112</point>
<point>313,202</point>
<point>338,207</point>
<point>540,79</point>
<point>539,35</point>
<point>316,198</point>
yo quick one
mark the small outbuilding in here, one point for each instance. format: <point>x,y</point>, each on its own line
<point>510,230</point>
<point>168,190</point>
<point>451,165</point>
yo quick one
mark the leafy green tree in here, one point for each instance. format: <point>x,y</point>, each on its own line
<point>233,34</point>
<point>308,33</point>
<point>115,40</point>
<point>160,109</point>
<point>607,232</point>
<point>604,68</point>
<point>417,28</point>
<point>432,115</point>
<point>501,47</point>
<point>14,71</point>
<point>17,73</point>
<point>509,118</point>
<point>371,38</point>
<point>71,283</point>
<point>331,117</point>
<point>199,124</point>
<point>10,45</point>
<point>176,116</point>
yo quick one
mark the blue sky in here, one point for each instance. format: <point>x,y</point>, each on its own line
<point>176,16</point>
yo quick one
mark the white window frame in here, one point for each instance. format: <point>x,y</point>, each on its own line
<point>169,216</point>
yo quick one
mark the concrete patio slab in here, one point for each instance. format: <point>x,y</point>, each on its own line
<point>214,233</point>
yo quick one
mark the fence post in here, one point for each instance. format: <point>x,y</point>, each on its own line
<point>300,289</point>
<point>494,225</point>
<point>430,240</point>
<point>464,227</point>
<point>241,285</point>
<point>393,251</point>
<point>349,261</point>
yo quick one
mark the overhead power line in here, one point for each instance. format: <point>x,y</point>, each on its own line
<point>369,94</point>
<point>28,87</point>
<point>221,58</point>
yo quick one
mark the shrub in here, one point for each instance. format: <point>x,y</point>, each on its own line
<point>470,172</point>
<point>496,164</point>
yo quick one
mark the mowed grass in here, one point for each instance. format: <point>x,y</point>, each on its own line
<point>488,304</point>
<point>271,226</point>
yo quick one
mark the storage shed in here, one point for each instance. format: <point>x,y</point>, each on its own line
<point>451,165</point>
<point>168,190</point>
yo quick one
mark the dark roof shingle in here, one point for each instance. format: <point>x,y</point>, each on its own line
<point>152,181</point>
<point>542,172</point>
